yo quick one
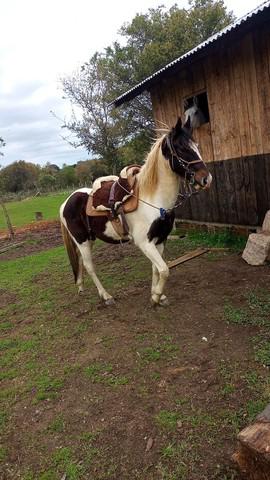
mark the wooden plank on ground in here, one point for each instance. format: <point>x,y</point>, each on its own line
<point>187,256</point>
<point>9,247</point>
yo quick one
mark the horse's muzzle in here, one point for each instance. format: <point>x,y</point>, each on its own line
<point>203,181</point>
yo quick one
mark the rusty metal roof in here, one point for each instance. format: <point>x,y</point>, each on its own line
<point>249,18</point>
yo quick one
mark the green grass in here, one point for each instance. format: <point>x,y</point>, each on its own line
<point>255,311</point>
<point>23,212</point>
<point>223,239</point>
<point>103,373</point>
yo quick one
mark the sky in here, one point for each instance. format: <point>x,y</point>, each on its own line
<point>44,41</point>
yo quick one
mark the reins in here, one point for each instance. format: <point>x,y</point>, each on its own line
<point>185,196</point>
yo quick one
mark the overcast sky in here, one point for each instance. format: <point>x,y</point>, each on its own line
<point>42,41</point>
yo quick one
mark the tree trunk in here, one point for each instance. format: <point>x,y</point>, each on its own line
<point>253,454</point>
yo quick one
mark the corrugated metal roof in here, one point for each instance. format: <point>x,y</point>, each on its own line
<point>140,87</point>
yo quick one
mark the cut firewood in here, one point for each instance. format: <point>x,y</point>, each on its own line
<point>253,454</point>
<point>187,256</point>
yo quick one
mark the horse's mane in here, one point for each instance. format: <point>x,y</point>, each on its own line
<point>148,177</point>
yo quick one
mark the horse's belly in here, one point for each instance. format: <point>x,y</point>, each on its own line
<point>104,230</point>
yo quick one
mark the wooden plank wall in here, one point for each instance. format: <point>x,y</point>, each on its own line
<point>237,81</point>
<point>236,141</point>
<point>240,193</point>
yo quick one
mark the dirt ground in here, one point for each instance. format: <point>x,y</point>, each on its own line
<point>146,394</point>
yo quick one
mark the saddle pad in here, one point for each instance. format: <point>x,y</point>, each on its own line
<point>129,206</point>
<point>92,211</point>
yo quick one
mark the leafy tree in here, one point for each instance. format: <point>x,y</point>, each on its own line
<point>46,181</point>
<point>19,176</point>
<point>66,177</point>
<point>87,171</point>
<point>150,41</point>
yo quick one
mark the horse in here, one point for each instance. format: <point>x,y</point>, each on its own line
<point>195,114</point>
<point>174,157</point>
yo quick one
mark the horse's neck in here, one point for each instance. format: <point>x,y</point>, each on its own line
<point>167,187</point>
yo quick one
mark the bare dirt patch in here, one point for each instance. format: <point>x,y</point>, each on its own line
<point>146,394</point>
<point>33,238</point>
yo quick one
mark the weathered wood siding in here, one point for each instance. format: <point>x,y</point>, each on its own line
<point>240,193</point>
<point>236,141</point>
<point>237,81</point>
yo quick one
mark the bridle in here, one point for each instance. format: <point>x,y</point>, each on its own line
<point>175,160</point>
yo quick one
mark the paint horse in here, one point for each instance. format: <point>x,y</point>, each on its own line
<point>194,113</point>
<point>173,157</point>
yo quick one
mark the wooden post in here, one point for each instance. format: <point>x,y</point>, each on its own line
<point>10,228</point>
<point>253,454</point>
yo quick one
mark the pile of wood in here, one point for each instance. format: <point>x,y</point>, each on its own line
<point>253,455</point>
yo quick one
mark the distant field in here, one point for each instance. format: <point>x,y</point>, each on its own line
<point>23,212</point>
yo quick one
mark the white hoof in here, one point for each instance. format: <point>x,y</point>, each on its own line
<point>109,302</point>
<point>164,302</point>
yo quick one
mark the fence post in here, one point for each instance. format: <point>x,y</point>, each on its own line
<point>10,228</point>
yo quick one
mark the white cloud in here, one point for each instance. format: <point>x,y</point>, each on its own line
<point>43,41</point>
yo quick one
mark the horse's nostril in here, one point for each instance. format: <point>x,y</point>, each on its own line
<point>205,181</point>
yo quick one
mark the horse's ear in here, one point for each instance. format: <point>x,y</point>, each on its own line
<point>178,127</point>
<point>187,126</point>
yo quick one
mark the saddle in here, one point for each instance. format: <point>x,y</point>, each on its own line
<point>113,197</point>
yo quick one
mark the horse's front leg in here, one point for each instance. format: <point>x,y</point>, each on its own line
<point>155,277</point>
<point>160,270</point>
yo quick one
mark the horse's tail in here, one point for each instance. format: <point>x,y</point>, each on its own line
<point>71,251</point>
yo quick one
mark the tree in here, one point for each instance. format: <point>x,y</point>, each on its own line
<point>2,144</point>
<point>98,129</point>
<point>150,41</point>
<point>66,177</point>
<point>46,181</point>
<point>87,171</point>
<point>19,176</point>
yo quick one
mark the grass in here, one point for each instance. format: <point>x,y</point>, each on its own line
<point>55,354</point>
<point>23,212</point>
<point>103,373</point>
<point>223,239</point>
<point>256,310</point>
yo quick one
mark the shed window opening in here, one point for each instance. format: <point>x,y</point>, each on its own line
<point>196,108</point>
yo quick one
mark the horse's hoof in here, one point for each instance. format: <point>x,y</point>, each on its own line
<point>80,291</point>
<point>109,302</point>
<point>164,302</point>
<point>153,303</point>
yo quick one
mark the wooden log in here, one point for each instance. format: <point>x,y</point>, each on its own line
<point>187,256</point>
<point>253,455</point>
<point>9,247</point>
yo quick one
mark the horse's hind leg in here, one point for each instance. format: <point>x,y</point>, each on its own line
<point>79,281</point>
<point>85,249</point>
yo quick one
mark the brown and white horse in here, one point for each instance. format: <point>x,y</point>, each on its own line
<point>174,156</point>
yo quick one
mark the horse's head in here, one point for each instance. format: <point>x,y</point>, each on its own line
<point>180,149</point>
<point>194,114</point>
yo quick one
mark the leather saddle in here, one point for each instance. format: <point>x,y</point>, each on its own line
<point>114,196</point>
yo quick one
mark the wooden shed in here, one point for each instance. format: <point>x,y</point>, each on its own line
<point>229,74</point>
